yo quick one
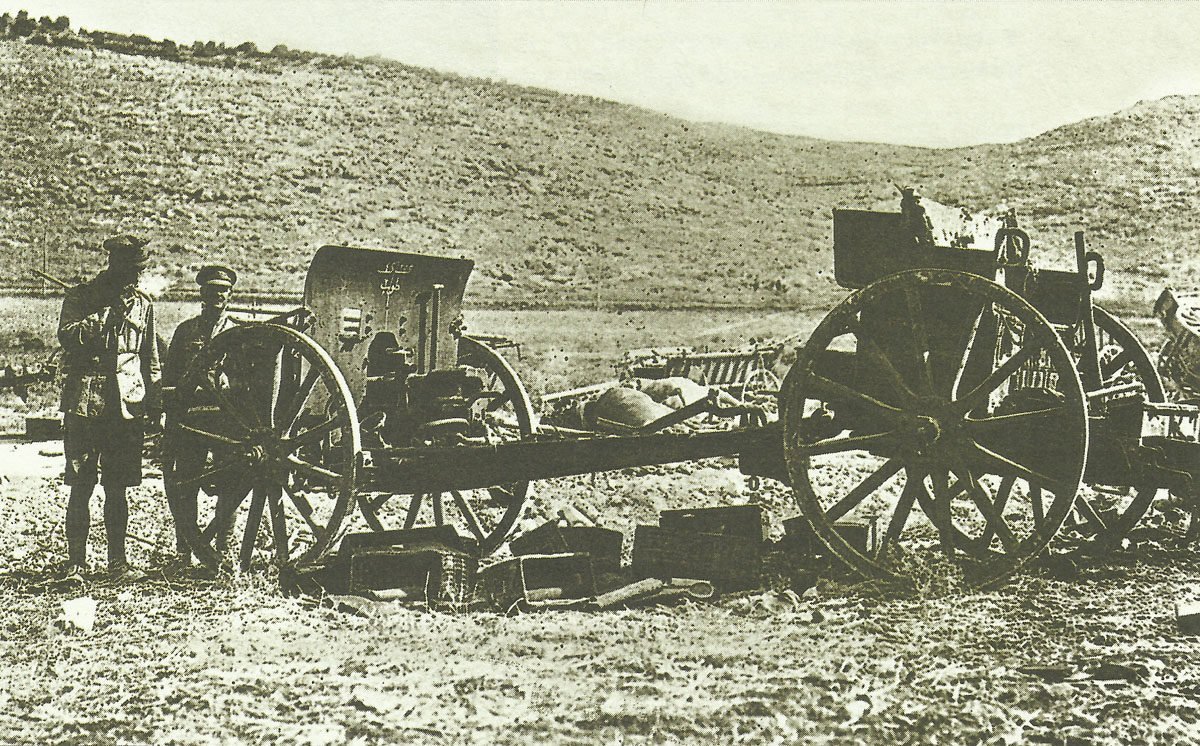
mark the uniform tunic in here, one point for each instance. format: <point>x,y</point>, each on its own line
<point>189,338</point>
<point>191,452</point>
<point>111,379</point>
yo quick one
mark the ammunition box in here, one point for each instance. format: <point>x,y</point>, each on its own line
<point>537,581</point>
<point>411,538</point>
<point>746,521</point>
<point>800,539</point>
<point>601,544</point>
<point>440,578</point>
<point>731,562</point>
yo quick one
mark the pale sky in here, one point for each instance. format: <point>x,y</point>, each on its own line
<point>920,73</point>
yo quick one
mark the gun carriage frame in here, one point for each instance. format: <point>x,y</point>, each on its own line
<point>958,396</point>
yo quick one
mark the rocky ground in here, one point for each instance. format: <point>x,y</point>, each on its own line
<point>1089,656</point>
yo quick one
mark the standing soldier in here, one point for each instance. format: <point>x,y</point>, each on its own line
<point>916,221</point>
<point>111,389</point>
<point>216,286</point>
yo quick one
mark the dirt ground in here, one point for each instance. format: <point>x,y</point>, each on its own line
<point>1092,655</point>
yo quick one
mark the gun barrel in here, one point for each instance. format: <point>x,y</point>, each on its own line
<point>61,283</point>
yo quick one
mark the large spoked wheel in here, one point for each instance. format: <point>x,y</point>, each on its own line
<point>503,414</point>
<point>944,391</point>
<point>1109,514</point>
<point>265,414</point>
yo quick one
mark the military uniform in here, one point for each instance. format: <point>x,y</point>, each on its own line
<point>111,386</point>
<point>190,452</point>
<point>111,380</point>
<point>189,339</point>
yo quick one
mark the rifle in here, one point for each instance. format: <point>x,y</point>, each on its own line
<point>45,276</point>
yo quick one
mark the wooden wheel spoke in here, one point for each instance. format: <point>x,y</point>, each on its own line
<point>874,481</point>
<point>305,509</point>
<point>972,338</point>
<point>847,443</point>
<point>222,517</point>
<point>994,516</point>
<point>1003,465</point>
<point>900,514</point>
<point>378,501</point>
<point>253,520</point>
<point>279,530</point>
<point>1018,426</point>
<point>1090,514</point>
<point>291,413</point>
<point>1035,502</point>
<point>312,435</point>
<point>499,402</point>
<point>1109,368</point>
<point>942,516</point>
<point>313,471</point>
<point>203,477</point>
<point>832,391</point>
<point>468,515</point>
<point>916,323</point>
<point>228,405</point>
<point>276,391</point>
<point>215,437</point>
<point>874,352</point>
<point>993,381</point>
<point>1018,418</point>
<point>1002,495</point>
<point>503,495</point>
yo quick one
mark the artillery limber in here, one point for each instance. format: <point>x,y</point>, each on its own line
<point>958,397</point>
<point>980,391</point>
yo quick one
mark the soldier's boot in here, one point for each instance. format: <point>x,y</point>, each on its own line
<point>78,524</point>
<point>116,524</point>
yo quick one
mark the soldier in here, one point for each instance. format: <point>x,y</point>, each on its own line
<point>111,391</point>
<point>216,286</point>
<point>915,220</point>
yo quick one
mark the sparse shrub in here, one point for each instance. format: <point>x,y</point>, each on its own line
<point>62,23</point>
<point>248,48</point>
<point>23,25</point>
<point>5,21</point>
<point>279,50</point>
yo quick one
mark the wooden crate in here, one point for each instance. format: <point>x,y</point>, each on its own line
<point>731,562</point>
<point>746,521</point>
<point>601,544</point>
<point>537,581</point>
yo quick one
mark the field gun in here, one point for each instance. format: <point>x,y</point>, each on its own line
<point>377,398</point>
<point>960,398</point>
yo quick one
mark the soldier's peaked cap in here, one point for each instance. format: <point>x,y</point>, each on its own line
<point>216,274</point>
<point>128,248</point>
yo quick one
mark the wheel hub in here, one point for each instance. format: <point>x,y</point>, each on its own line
<point>936,430</point>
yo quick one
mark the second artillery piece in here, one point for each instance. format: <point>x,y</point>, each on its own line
<point>958,397</point>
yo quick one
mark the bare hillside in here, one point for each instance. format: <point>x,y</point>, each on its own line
<point>559,199</point>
